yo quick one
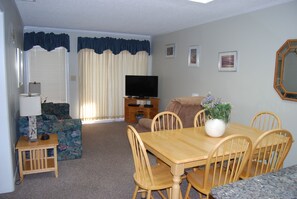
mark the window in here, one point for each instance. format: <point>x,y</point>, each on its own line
<point>51,70</point>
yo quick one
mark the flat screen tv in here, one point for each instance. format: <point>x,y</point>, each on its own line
<point>141,86</point>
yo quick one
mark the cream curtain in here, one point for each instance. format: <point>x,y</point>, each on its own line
<point>102,82</point>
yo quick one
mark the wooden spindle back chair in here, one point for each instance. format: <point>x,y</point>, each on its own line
<point>268,153</point>
<point>166,120</point>
<point>146,177</point>
<point>266,121</point>
<point>224,164</point>
<point>200,119</point>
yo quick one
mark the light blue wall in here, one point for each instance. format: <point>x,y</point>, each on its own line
<point>256,36</point>
<point>11,37</point>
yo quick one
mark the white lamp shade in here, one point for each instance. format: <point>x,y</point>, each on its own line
<point>30,105</point>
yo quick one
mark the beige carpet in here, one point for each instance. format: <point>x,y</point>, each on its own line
<point>104,172</point>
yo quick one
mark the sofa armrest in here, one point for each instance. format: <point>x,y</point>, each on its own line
<point>145,122</point>
<point>144,125</point>
<point>70,139</point>
<point>69,133</point>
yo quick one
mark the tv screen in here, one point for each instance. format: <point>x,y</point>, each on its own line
<point>141,86</point>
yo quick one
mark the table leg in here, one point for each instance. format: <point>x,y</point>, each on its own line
<point>21,165</point>
<point>56,161</point>
<point>177,171</point>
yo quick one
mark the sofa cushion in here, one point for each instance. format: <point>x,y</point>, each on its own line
<point>186,108</point>
<point>145,122</point>
<point>60,110</point>
<point>195,100</point>
<point>49,117</point>
<point>69,134</point>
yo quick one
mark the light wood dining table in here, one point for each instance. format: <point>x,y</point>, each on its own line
<point>188,147</point>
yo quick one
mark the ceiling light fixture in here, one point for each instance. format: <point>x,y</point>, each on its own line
<point>201,1</point>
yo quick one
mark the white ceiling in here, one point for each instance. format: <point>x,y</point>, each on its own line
<point>143,17</point>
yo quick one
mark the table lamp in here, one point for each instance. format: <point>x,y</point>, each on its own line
<point>30,106</point>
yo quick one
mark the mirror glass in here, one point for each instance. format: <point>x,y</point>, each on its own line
<point>290,72</point>
<point>285,81</point>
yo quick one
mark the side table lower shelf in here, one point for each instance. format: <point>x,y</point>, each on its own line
<point>34,156</point>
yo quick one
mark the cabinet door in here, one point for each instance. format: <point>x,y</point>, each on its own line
<point>149,112</point>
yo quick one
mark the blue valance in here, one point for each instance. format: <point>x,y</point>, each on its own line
<point>48,41</point>
<point>115,45</point>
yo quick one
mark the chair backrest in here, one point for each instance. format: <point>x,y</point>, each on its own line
<point>200,119</point>
<point>166,120</point>
<point>266,121</point>
<point>226,161</point>
<point>269,152</point>
<point>143,172</point>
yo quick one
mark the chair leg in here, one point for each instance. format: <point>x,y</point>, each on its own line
<point>201,195</point>
<point>180,195</point>
<point>188,191</point>
<point>143,195</point>
<point>168,193</point>
<point>148,196</point>
<point>135,192</point>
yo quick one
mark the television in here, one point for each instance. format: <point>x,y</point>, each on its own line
<point>141,86</point>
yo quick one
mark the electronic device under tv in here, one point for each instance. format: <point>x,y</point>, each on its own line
<point>141,86</point>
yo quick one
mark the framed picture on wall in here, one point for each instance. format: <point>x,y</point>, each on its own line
<point>170,50</point>
<point>228,61</point>
<point>194,56</point>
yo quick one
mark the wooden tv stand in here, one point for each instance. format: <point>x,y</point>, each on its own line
<point>149,107</point>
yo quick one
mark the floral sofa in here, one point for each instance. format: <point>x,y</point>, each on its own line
<point>55,118</point>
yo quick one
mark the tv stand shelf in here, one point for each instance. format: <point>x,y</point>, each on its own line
<point>133,104</point>
<point>148,106</point>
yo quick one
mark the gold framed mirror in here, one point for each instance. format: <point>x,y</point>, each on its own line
<point>285,75</point>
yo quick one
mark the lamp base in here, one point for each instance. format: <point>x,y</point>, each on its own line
<point>32,134</point>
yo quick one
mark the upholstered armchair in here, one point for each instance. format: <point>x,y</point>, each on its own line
<point>185,107</point>
<point>55,118</point>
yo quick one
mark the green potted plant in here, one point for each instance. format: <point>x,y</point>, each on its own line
<point>217,114</point>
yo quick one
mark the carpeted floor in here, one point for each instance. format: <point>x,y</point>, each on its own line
<point>105,170</point>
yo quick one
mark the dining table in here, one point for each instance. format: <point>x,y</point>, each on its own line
<point>188,147</point>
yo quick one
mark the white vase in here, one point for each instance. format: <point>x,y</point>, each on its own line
<point>215,127</point>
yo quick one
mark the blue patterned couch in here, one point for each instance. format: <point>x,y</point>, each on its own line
<point>55,118</point>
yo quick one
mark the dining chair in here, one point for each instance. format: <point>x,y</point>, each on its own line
<point>166,120</point>
<point>200,119</point>
<point>224,164</point>
<point>268,153</point>
<point>265,121</point>
<point>147,178</point>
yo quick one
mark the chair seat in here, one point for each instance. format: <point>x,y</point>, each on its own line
<point>162,178</point>
<point>196,179</point>
<point>245,175</point>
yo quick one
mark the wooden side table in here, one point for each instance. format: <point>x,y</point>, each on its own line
<point>33,156</point>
